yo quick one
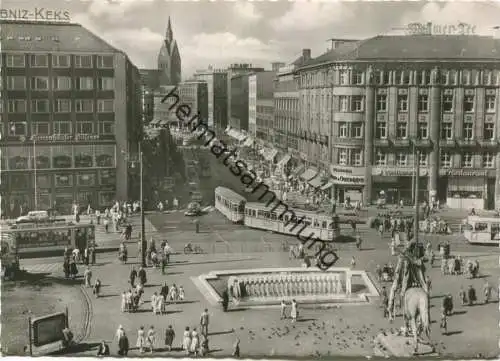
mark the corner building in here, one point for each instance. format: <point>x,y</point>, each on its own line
<point>365,105</point>
<point>70,103</point>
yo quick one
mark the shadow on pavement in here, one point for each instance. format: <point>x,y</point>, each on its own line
<point>220,333</point>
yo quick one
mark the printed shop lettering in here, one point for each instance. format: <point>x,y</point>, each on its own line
<point>38,14</point>
<point>348,179</point>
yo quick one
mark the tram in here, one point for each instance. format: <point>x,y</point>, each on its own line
<point>258,215</point>
<point>230,204</point>
<point>481,230</point>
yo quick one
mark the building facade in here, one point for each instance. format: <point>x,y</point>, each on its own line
<point>380,114</point>
<point>216,80</point>
<point>194,93</point>
<point>150,83</point>
<point>69,107</point>
<point>261,105</point>
<point>169,59</point>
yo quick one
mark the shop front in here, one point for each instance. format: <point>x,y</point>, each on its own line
<point>468,188</point>
<point>398,184</point>
<point>348,182</point>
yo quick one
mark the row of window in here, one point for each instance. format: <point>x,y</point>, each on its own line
<point>403,77</point>
<point>58,61</point>
<point>42,83</point>
<point>61,128</point>
<point>81,160</point>
<point>59,106</point>
<point>22,181</point>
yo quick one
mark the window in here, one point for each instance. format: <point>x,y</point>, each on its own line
<point>357,130</point>
<point>446,131</point>
<point>377,77</point>
<point>423,130</point>
<point>488,160</point>
<point>468,132</point>
<point>344,77</point>
<point>448,103</point>
<point>106,128</point>
<point>403,102</point>
<point>489,131</point>
<point>40,83</point>
<point>387,77</point>
<point>16,83</point>
<point>16,61</point>
<point>401,130</point>
<point>62,106</point>
<point>84,128</point>
<point>64,180</point>
<point>445,160</point>
<point>41,128</point>
<point>423,103</point>
<point>84,105</point>
<point>423,77</point>
<point>381,130</point>
<point>381,103</point>
<point>469,103</point>
<point>357,78</point>
<point>423,159</point>
<point>380,158</point>
<point>84,83</point>
<point>357,103</point>
<point>105,106</point>
<point>40,106</point>
<point>17,128</point>
<point>401,159</point>
<point>343,103</point>
<point>60,61</point>
<point>467,160</point>
<point>343,130</point>
<point>16,106</point>
<point>356,157</point>
<point>490,103</point>
<point>106,83</point>
<point>398,77</point>
<point>62,128</point>
<point>342,156</point>
<point>62,83</point>
<point>487,77</point>
<point>406,77</point>
<point>39,60</point>
<point>105,61</point>
<point>466,77</point>
<point>83,61</point>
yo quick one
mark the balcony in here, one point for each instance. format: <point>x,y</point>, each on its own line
<point>489,143</point>
<point>348,141</point>
<point>423,143</point>
<point>382,143</point>
<point>467,143</point>
<point>447,143</point>
<point>400,143</point>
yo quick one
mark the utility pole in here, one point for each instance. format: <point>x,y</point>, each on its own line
<point>417,176</point>
<point>34,166</point>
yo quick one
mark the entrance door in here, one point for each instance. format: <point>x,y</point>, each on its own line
<point>340,195</point>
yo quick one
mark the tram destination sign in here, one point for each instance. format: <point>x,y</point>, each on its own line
<point>36,14</point>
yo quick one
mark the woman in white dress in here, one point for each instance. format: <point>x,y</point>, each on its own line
<point>186,340</point>
<point>160,304</point>
<point>173,293</point>
<point>140,339</point>
<point>195,342</point>
<point>154,303</point>
<point>181,293</point>
<point>124,302</point>
<point>151,339</point>
<point>293,312</point>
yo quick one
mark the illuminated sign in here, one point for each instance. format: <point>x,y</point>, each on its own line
<point>37,14</point>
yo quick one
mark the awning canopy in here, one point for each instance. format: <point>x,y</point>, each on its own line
<point>163,122</point>
<point>327,186</point>
<point>154,122</point>
<point>316,182</point>
<point>309,174</point>
<point>283,161</point>
<point>298,170</point>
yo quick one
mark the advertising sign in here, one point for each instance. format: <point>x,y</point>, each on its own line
<point>36,14</point>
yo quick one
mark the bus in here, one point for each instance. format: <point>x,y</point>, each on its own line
<point>261,216</point>
<point>481,230</point>
<point>230,204</point>
<point>54,236</point>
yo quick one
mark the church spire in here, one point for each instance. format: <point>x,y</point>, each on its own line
<point>169,35</point>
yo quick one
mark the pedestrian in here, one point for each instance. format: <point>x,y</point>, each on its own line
<point>106,225</point>
<point>73,269</point>
<point>186,340</point>
<point>160,304</point>
<point>163,263</point>
<point>164,291</point>
<point>294,313</point>
<point>87,277</point>
<point>428,283</point>
<point>358,242</point>
<point>169,337</point>
<point>486,292</point>
<point>154,300</point>
<point>119,332</point>
<point>195,342</point>
<point>471,295</point>
<point>133,276</point>
<point>225,300</point>
<point>181,293</point>
<point>462,296</point>
<point>140,343</point>
<point>123,344</point>
<point>97,288</point>
<point>86,256</point>
<point>142,276</point>
<point>98,216</point>
<point>353,262</point>
<point>175,203</point>
<point>283,310</point>
<point>151,339</point>
<point>93,253</point>
<point>236,348</point>
<point>444,323</point>
<point>123,307</point>
<point>204,349</point>
<point>173,293</point>
<point>103,349</point>
<point>204,320</point>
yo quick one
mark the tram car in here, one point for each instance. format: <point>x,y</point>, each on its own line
<point>230,204</point>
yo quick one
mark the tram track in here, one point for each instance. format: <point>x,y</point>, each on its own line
<point>88,313</point>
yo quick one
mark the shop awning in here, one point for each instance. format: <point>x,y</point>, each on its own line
<point>298,170</point>
<point>154,122</point>
<point>316,182</point>
<point>283,161</point>
<point>163,122</point>
<point>309,174</point>
<point>327,186</point>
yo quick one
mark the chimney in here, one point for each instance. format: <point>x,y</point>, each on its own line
<point>306,54</point>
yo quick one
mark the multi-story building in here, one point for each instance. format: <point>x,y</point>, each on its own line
<point>70,105</point>
<point>216,80</point>
<point>150,83</point>
<point>286,106</point>
<point>194,93</point>
<point>261,105</point>
<point>435,94</point>
<point>169,59</point>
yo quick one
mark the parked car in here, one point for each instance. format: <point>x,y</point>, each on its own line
<point>34,216</point>
<point>193,209</point>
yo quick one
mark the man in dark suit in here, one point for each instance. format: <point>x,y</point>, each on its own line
<point>123,345</point>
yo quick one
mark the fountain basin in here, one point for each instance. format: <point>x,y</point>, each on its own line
<point>267,287</point>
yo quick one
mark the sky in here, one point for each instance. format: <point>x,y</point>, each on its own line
<point>219,33</point>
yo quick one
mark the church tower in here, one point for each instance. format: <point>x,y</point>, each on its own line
<point>169,59</point>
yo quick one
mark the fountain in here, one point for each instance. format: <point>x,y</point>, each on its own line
<point>269,286</point>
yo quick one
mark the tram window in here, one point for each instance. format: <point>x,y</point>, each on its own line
<point>267,214</point>
<point>324,224</point>
<point>286,219</point>
<point>495,227</point>
<point>254,213</point>
<point>330,225</point>
<point>480,227</point>
<point>273,216</point>
<point>241,208</point>
<point>316,223</point>
<point>280,218</point>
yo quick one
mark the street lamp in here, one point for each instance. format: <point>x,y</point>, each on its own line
<point>133,163</point>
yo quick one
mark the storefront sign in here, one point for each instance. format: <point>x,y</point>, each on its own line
<point>347,179</point>
<point>398,172</point>
<point>64,137</point>
<point>463,172</point>
<point>345,171</point>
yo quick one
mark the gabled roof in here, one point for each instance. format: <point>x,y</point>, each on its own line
<point>414,47</point>
<point>50,37</point>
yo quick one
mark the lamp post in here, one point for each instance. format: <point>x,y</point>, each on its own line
<point>416,160</point>
<point>141,201</point>
<point>34,166</point>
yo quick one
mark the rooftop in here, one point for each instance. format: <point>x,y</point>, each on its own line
<point>30,36</point>
<point>414,48</point>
